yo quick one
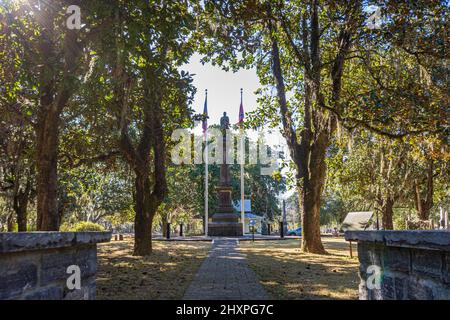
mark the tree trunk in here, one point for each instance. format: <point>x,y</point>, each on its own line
<point>424,203</point>
<point>22,219</point>
<point>21,196</point>
<point>164,229</point>
<point>313,185</point>
<point>144,216</point>
<point>20,205</point>
<point>10,223</point>
<point>149,193</point>
<point>47,172</point>
<point>308,157</point>
<point>387,210</point>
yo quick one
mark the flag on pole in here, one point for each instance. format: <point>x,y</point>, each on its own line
<point>241,112</point>
<point>205,135</point>
<point>205,113</point>
<point>241,122</point>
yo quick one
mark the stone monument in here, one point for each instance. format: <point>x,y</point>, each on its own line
<point>225,222</point>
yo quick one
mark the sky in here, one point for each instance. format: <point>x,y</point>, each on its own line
<point>223,89</point>
<point>224,94</point>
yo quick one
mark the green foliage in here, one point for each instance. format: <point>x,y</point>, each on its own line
<point>82,226</point>
<point>392,108</point>
<point>333,211</point>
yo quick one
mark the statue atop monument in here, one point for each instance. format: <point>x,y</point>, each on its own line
<point>225,121</point>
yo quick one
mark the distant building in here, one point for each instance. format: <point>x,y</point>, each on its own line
<point>249,216</point>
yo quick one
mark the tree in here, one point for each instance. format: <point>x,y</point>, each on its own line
<point>370,172</point>
<point>52,57</point>
<point>56,85</point>
<point>307,143</point>
<point>147,95</point>
<point>318,54</point>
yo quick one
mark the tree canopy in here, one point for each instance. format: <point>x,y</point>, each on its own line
<point>88,113</point>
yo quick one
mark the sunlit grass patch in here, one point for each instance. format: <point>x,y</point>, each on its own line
<point>287,273</point>
<point>165,274</point>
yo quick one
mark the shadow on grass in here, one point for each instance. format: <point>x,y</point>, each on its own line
<point>287,273</point>
<point>165,274</point>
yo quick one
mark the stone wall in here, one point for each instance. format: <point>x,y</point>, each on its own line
<point>33,265</point>
<point>414,265</point>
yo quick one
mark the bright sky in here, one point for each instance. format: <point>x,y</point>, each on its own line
<point>224,94</point>
<point>223,89</point>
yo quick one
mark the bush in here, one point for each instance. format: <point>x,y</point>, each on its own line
<point>82,226</point>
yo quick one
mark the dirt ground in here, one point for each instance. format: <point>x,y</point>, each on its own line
<point>286,273</point>
<point>283,270</point>
<point>165,274</point>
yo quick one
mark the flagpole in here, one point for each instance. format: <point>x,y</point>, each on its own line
<point>206,184</point>
<point>205,134</point>
<point>242,173</point>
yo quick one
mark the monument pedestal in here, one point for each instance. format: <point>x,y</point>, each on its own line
<point>225,222</point>
<point>225,229</point>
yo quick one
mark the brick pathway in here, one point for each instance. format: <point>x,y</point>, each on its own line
<point>225,275</point>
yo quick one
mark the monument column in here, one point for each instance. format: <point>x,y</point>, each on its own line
<point>225,222</point>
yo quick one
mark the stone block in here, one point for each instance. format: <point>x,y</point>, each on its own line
<point>33,265</point>
<point>423,239</point>
<point>86,259</point>
<point>27,241</point>
<point>365,236</point>
<point>55,263</point>
<point>364,256</point>
<point>427,263</point>
<point>415,264</point>
<point>400,284</point>
<point>441,292</point>
<point>48,293</point>
<point>419,289</point>
<point>224,229</point>
<point>397,259</point>
<point>369,254</point>
<point>388,287</point>
<point>87,291</point>
<point>446,269</point>
<point>17,275</point>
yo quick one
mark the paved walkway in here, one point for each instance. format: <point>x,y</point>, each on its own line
<point>225,275</point>
<point>247,237</point>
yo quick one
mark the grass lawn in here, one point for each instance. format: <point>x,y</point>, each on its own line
<point>286,273</point>
<point>165,274</point>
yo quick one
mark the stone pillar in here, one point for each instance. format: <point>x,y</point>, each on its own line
<point>34,265</point>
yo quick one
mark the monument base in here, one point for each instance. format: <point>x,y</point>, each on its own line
<point>225,229</point>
